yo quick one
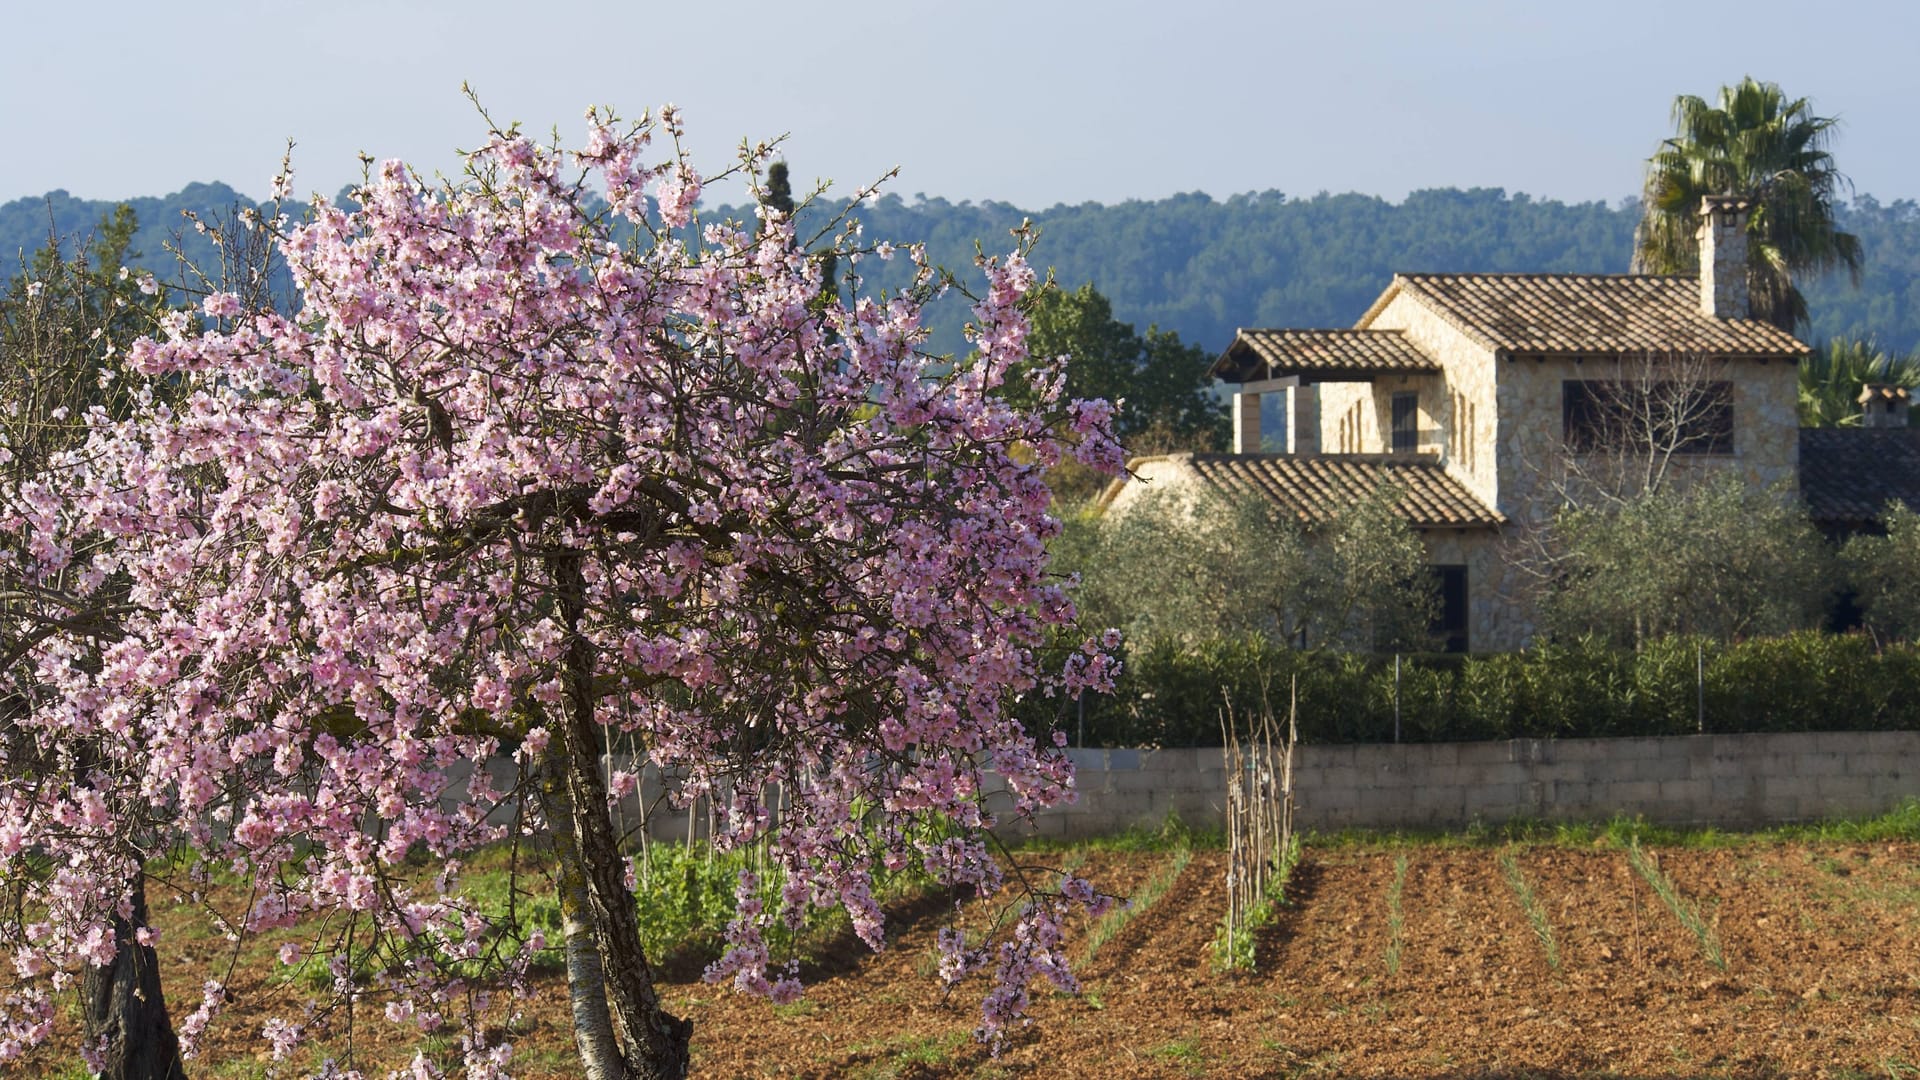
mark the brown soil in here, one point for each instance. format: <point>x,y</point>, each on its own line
<point>1821,978</point>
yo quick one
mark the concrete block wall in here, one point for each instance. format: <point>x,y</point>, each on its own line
<point>1730,781</point>
<point>1721,780</point>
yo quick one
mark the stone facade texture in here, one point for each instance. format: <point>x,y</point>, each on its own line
<point>1497,424</point>
<point>1460,404</point>
<point>1723,259</point>
<point>1500,365</point>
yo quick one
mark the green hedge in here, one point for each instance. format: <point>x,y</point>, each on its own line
<point>1802,682</point>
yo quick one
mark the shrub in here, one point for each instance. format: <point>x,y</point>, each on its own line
<point>1881,571</point>
<point>1173,695</point>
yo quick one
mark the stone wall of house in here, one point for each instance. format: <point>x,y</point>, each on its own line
<point>1532,454</point>
<point>1496,425</point>
<point>1460,405</point>
<point>1728,781</point>
<point>1766,396</point>
<point>1500,613</point>
<point>1461,422</point>
<point>1156,475</point>
<point>1349,424</point>
<point>1364,422</point>
<point>1502,426</point>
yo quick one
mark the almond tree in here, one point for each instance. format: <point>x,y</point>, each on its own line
<point>542,457</point>
<point>64,324</point>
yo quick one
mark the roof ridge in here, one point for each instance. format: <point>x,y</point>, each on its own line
<point>1589,313</point>
<point>1314,330</point>
<point>1535,274</point>
<point>1437,305</point>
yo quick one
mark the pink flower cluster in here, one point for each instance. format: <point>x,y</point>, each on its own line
<point>808,564</point>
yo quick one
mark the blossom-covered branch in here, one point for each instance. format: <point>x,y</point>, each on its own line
<point>517,472</point>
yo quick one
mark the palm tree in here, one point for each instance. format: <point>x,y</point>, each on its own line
<point>1831,381</point>
<point>1760,146</point>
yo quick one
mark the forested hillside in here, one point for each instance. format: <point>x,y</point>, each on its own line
<point>1203,267</point>
<point>27,224</point>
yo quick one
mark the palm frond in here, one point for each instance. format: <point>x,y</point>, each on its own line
<point>1831,380</point>
<point>1758,144</point>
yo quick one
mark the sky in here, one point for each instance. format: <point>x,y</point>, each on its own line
<point>1035,102</point>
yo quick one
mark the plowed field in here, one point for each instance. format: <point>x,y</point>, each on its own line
<point>1821,978</point>
<point>1818,975</point>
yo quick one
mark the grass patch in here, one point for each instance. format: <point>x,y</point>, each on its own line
<point>1172,834</point>
<point>913,1054</point>
<point>1180,1050</point>
<point>1688,915</point>
<point>1184,1054</point>
<point>683,901</point>
<point>1396,918</point>
<point>1526,832</point>
<point>1141,902</point>
<point>1529,903</point>
<point>1235,951</point>
<point>1900,823</point>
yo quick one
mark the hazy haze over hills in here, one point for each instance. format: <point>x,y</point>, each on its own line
<point>1205,266</point>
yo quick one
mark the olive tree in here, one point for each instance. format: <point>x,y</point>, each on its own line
<point>1713,558</point>
<point>1184,566</point>
<point>1884,571</point>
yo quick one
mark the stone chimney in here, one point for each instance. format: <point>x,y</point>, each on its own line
<point>1884,406</point>
<point>1723,257</point>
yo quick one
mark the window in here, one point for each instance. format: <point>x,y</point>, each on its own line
<point>1450,612</point>
<point>1406,423</point>
<point>1670,417</point>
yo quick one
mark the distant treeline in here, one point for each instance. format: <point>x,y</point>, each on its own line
<point>26,225</point>
<point>1204,267</point>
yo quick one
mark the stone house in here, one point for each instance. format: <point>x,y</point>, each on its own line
<point>1475,396</point>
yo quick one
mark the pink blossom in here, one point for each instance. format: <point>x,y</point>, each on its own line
<point>517,484</point>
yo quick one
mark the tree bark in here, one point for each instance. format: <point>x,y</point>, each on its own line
<point>124,1008</point>
<point>619,1026</point>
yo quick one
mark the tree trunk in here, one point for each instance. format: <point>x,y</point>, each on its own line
<point>124,1008</point>
<point>620,1029</point>
<point>123,1011</point>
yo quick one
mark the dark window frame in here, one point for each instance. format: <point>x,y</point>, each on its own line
<point>1625,415</point>
<point>1453,607</point>
<point>1404,431</point>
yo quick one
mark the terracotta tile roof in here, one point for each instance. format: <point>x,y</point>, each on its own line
<point>1319,355</point>
<point>1588,314</point>
<point>1313,488</point>
<point>1847,475</point>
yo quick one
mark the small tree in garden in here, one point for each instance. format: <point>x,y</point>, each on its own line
<point>1712,558</point>
<point>1182,567</point>
<point>1642,427</point>
<point>527,467</point>
<point>1884,571</point>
